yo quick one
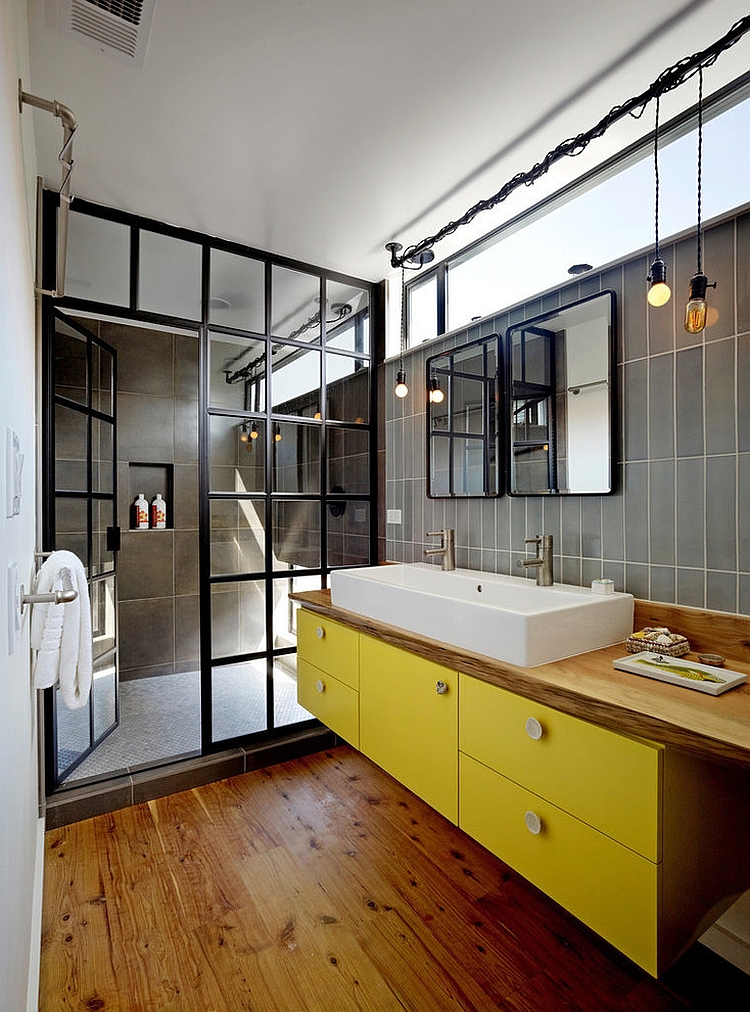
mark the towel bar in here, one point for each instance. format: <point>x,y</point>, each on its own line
<point>64,596</point>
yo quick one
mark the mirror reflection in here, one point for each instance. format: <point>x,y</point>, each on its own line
<point>462,421</point>
<point>560,395</point>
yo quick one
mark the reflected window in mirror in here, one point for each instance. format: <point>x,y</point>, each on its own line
<point>463,440</point>
<point>560,400</point>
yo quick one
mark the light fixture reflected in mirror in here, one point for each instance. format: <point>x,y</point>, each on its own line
<point>436,395</point>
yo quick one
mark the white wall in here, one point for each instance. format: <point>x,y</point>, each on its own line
<point>20,870</point>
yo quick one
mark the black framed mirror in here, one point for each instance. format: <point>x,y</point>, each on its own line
<point>560,400</point>
<point>463,421</point>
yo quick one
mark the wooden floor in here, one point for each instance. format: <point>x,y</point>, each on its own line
<point>322,884</point>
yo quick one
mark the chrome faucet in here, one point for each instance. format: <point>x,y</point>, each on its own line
<point>447,548</point>
<point>545,576</point>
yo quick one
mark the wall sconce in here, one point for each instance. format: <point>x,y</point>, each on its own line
<point>659,292</point>
<point>695,311</point>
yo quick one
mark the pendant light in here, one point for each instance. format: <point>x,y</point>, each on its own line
<point>695,311</point>
<point>401,389</point>
<point>435,393</point>
<point>658,291</point>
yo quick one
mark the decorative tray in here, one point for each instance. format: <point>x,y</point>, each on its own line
<point>689,674</point>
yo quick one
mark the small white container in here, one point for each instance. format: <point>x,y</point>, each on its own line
<point>158,512</point>
<point>603,586</point>
<point>140,513</point>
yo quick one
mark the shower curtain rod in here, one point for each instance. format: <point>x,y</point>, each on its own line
<point>65,158</point>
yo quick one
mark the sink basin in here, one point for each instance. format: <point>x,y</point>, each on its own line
<point>505,617</point>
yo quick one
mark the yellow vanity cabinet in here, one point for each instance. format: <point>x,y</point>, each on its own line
<point>644,843</point>
<point>409,721</point>
<point>572,807</point>
<point>328,673</point>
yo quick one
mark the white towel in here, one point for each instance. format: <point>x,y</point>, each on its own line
<point>61,633</point>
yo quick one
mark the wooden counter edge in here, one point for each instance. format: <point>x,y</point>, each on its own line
<point>585,686</point>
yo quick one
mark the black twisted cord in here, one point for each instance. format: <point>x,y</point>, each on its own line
<point>667,81</point>
<point>700,168</point>
<point>656,180</point>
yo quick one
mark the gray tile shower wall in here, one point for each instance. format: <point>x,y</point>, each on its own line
<point>678,527</point>
<point>157,427</point>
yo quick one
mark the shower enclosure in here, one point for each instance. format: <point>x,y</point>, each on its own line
<point>244,395</point>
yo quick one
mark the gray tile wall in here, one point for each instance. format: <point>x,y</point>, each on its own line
<point>157,423</point>
<point>678,527</point>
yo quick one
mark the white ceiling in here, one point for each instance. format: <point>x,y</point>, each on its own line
<point>320,129</point>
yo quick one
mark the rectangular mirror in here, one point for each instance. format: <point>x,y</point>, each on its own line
<point>463,439</point>
<point>560,396</point>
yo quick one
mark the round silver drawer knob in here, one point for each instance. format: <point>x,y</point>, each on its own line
<point>533,823</point>
<point>534,729</point>
<point>320,685</point>
<point>441,688</point>
<point>320,632</point>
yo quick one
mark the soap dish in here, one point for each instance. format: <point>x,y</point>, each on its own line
<point>658,639</point>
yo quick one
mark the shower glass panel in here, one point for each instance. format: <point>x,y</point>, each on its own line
<point>347,389</point>
<point>348,532</point>
<point>348,460</point>
<point>169,276</point>
<point>105,679</point>
<point>296,457</point>
<point>102,450</point>
<point>238,699</point>
<point>285,611</point>
<point>238,292</point>
<point>71,449</point>
<point>295,383</point>
<point>237,373</point>
<point>296,533</point>
<point>238,613</point>
<point>237,536</point>
<point>71,526</point>
<point>71,376</point>
<point>237,454</point>
<point>102,518</point>
<point>103,615</point>
<point>98,263</point>
<point>295,305</point>
<point>347,317</point>
<point>286,709</point>
<point>102,376</point>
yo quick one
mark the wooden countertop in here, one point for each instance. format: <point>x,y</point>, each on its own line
<point>588,686</point>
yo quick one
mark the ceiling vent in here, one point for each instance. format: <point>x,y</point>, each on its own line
<point>119,28</point>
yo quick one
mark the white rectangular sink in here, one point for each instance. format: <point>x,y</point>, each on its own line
<point>505,617</point>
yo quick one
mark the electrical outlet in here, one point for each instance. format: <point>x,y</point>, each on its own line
<point>393,516</point>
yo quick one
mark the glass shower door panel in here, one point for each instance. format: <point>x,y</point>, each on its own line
<point>104,694</point>
<point>238,699</point>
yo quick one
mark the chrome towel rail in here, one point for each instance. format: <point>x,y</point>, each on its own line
<point>64,596</point>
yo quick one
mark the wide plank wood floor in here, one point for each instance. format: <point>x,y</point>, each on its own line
<point>321,884</point>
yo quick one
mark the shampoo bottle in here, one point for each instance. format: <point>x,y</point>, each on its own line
<point>140,513</point>
<point>158,512</point>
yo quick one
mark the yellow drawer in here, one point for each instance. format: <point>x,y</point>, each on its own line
<point>607,886</point>
<point>332,702</point>
<point>328,645</point>
<point>409,722</point>
<point>609,780</point>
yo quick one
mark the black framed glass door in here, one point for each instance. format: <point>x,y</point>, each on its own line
<point>79,481</point>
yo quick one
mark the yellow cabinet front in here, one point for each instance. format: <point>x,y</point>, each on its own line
<point>611,781</point>
<point>409,721</point>
<point>331,701</point>
<point>329,645</point>
<point>607,886</point>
